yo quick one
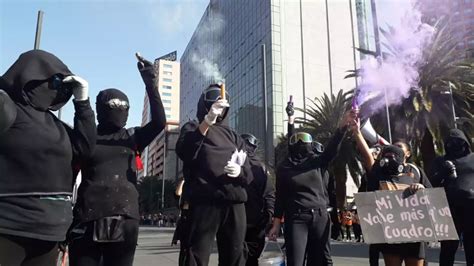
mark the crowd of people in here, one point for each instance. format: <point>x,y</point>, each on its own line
<point>226,195</point>
<point>159,219</point>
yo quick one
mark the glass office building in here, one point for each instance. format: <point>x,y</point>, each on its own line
<point>309,46</point>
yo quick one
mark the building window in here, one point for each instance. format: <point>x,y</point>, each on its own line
<point>168,73</point>
<point>166,87</point>
<point>166,94</point>
<point>166,101</point>
<point>167,66</point>
<point>168,109</point>
<point>168,116</point>
<point>167,80</point>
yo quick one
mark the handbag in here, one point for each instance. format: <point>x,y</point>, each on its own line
<point>109,229</point>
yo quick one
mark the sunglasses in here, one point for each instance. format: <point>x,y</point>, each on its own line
<point>301,136</point>
<point>213,94</point>
<point>454,143</point>
<point>117,104</point>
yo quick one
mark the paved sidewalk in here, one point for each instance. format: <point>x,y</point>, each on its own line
<point>154,249</point>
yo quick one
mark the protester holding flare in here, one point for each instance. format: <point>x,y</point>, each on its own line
<point>107,206</point>
<point>302,196</point>
<point>389,172</point>
<point>215,184</point>
<point>37,156</point>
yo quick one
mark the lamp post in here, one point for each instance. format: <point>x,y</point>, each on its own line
<point>450,92</point>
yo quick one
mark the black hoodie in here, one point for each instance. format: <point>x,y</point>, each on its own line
<point>207,156</point>
<point>37,151</point>
<point>461,188</point>
<point>109,175</point>
<point>304,183</point>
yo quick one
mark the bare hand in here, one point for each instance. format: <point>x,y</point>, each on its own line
<point>413,188</point>
<point>274,231</point>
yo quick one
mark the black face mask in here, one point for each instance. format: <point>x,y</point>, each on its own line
<point>456,148</point>
<point>300,150</point>
<point>112,115</point>
<point>390,166</point>
<point>47,95</point>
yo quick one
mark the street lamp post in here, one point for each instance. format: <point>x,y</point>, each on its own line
<point>450,92</point>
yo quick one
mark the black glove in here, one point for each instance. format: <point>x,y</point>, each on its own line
<point>450,169</point>
<point>147,71</point>
<point>290,109</point>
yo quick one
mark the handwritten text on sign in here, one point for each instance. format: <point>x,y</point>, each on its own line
<point>397,216</point>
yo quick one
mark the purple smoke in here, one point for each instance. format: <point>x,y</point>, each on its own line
<point>396,73</point>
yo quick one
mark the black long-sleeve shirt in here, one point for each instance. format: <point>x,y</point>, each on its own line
<point>36,156</point>
<point>261,196</point>
<point>109,175</point>
<point>207,156</point>
<point>306,185</point>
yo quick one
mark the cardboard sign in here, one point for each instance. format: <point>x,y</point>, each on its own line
<point>397,216</point>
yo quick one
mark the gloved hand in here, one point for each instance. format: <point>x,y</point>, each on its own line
<point>232,169</point>
<point>80,87</point>
<point>450,169</point>
<point>217,109</point>
<point>290,109</point>
<point>147,71</point>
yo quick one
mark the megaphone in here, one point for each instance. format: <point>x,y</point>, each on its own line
<point>370,135</point>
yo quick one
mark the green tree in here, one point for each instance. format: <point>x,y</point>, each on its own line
<point>150,191</point>
<point>425,116</point>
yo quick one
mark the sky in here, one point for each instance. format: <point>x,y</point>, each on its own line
<point>97,39</point>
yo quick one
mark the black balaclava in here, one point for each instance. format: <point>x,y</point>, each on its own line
<point>251,144</point>
<point>30,80</point>
<point>391,160</point>
<point>204,105</point>
<point>456,144</point>
<point>300,151</point>
<point>111,118</point>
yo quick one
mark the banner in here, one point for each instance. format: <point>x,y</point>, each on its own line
<point>397,216</point>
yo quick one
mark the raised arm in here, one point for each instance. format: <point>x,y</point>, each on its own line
<point>290,111</point>
<point>146,134</point>
<point>367,158</point>
<point>84,134</point>
<point>331,149</point>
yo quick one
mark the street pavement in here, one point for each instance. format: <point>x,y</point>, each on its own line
<point>154,249</point>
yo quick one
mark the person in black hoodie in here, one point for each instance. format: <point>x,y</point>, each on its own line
<point>455,172</point>
<point>37,153</point>
<point>260,204</point>
<point>107,205</point>
<point>302,196</point>
<point>215,184</point>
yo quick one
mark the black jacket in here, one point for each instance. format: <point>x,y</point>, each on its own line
<point>306,185</point>
<point>461,188</point>
<point>261,196</point>
<point>37,150</point>
<point>38,153</point>
<point>109,175</point>
<point>206,157</point>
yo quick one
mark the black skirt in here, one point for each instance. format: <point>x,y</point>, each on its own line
<point>404,250</point>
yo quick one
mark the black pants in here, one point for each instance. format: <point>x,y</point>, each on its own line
<point>463,216</point>
<point>22,251</point>
<point>374,254</point>
<point>86,252</point>
<point>307,235</point>
<point>227,223</point>
<point>255,239</point>
<point>357,232</point>
<point>348,232</point>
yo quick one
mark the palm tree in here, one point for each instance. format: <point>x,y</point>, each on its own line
<point>424,117</point>
<point>322,119</point>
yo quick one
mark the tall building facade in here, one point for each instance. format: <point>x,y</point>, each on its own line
<point>460,16</point>
<point>308,46</point>
<point>159,158</point>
